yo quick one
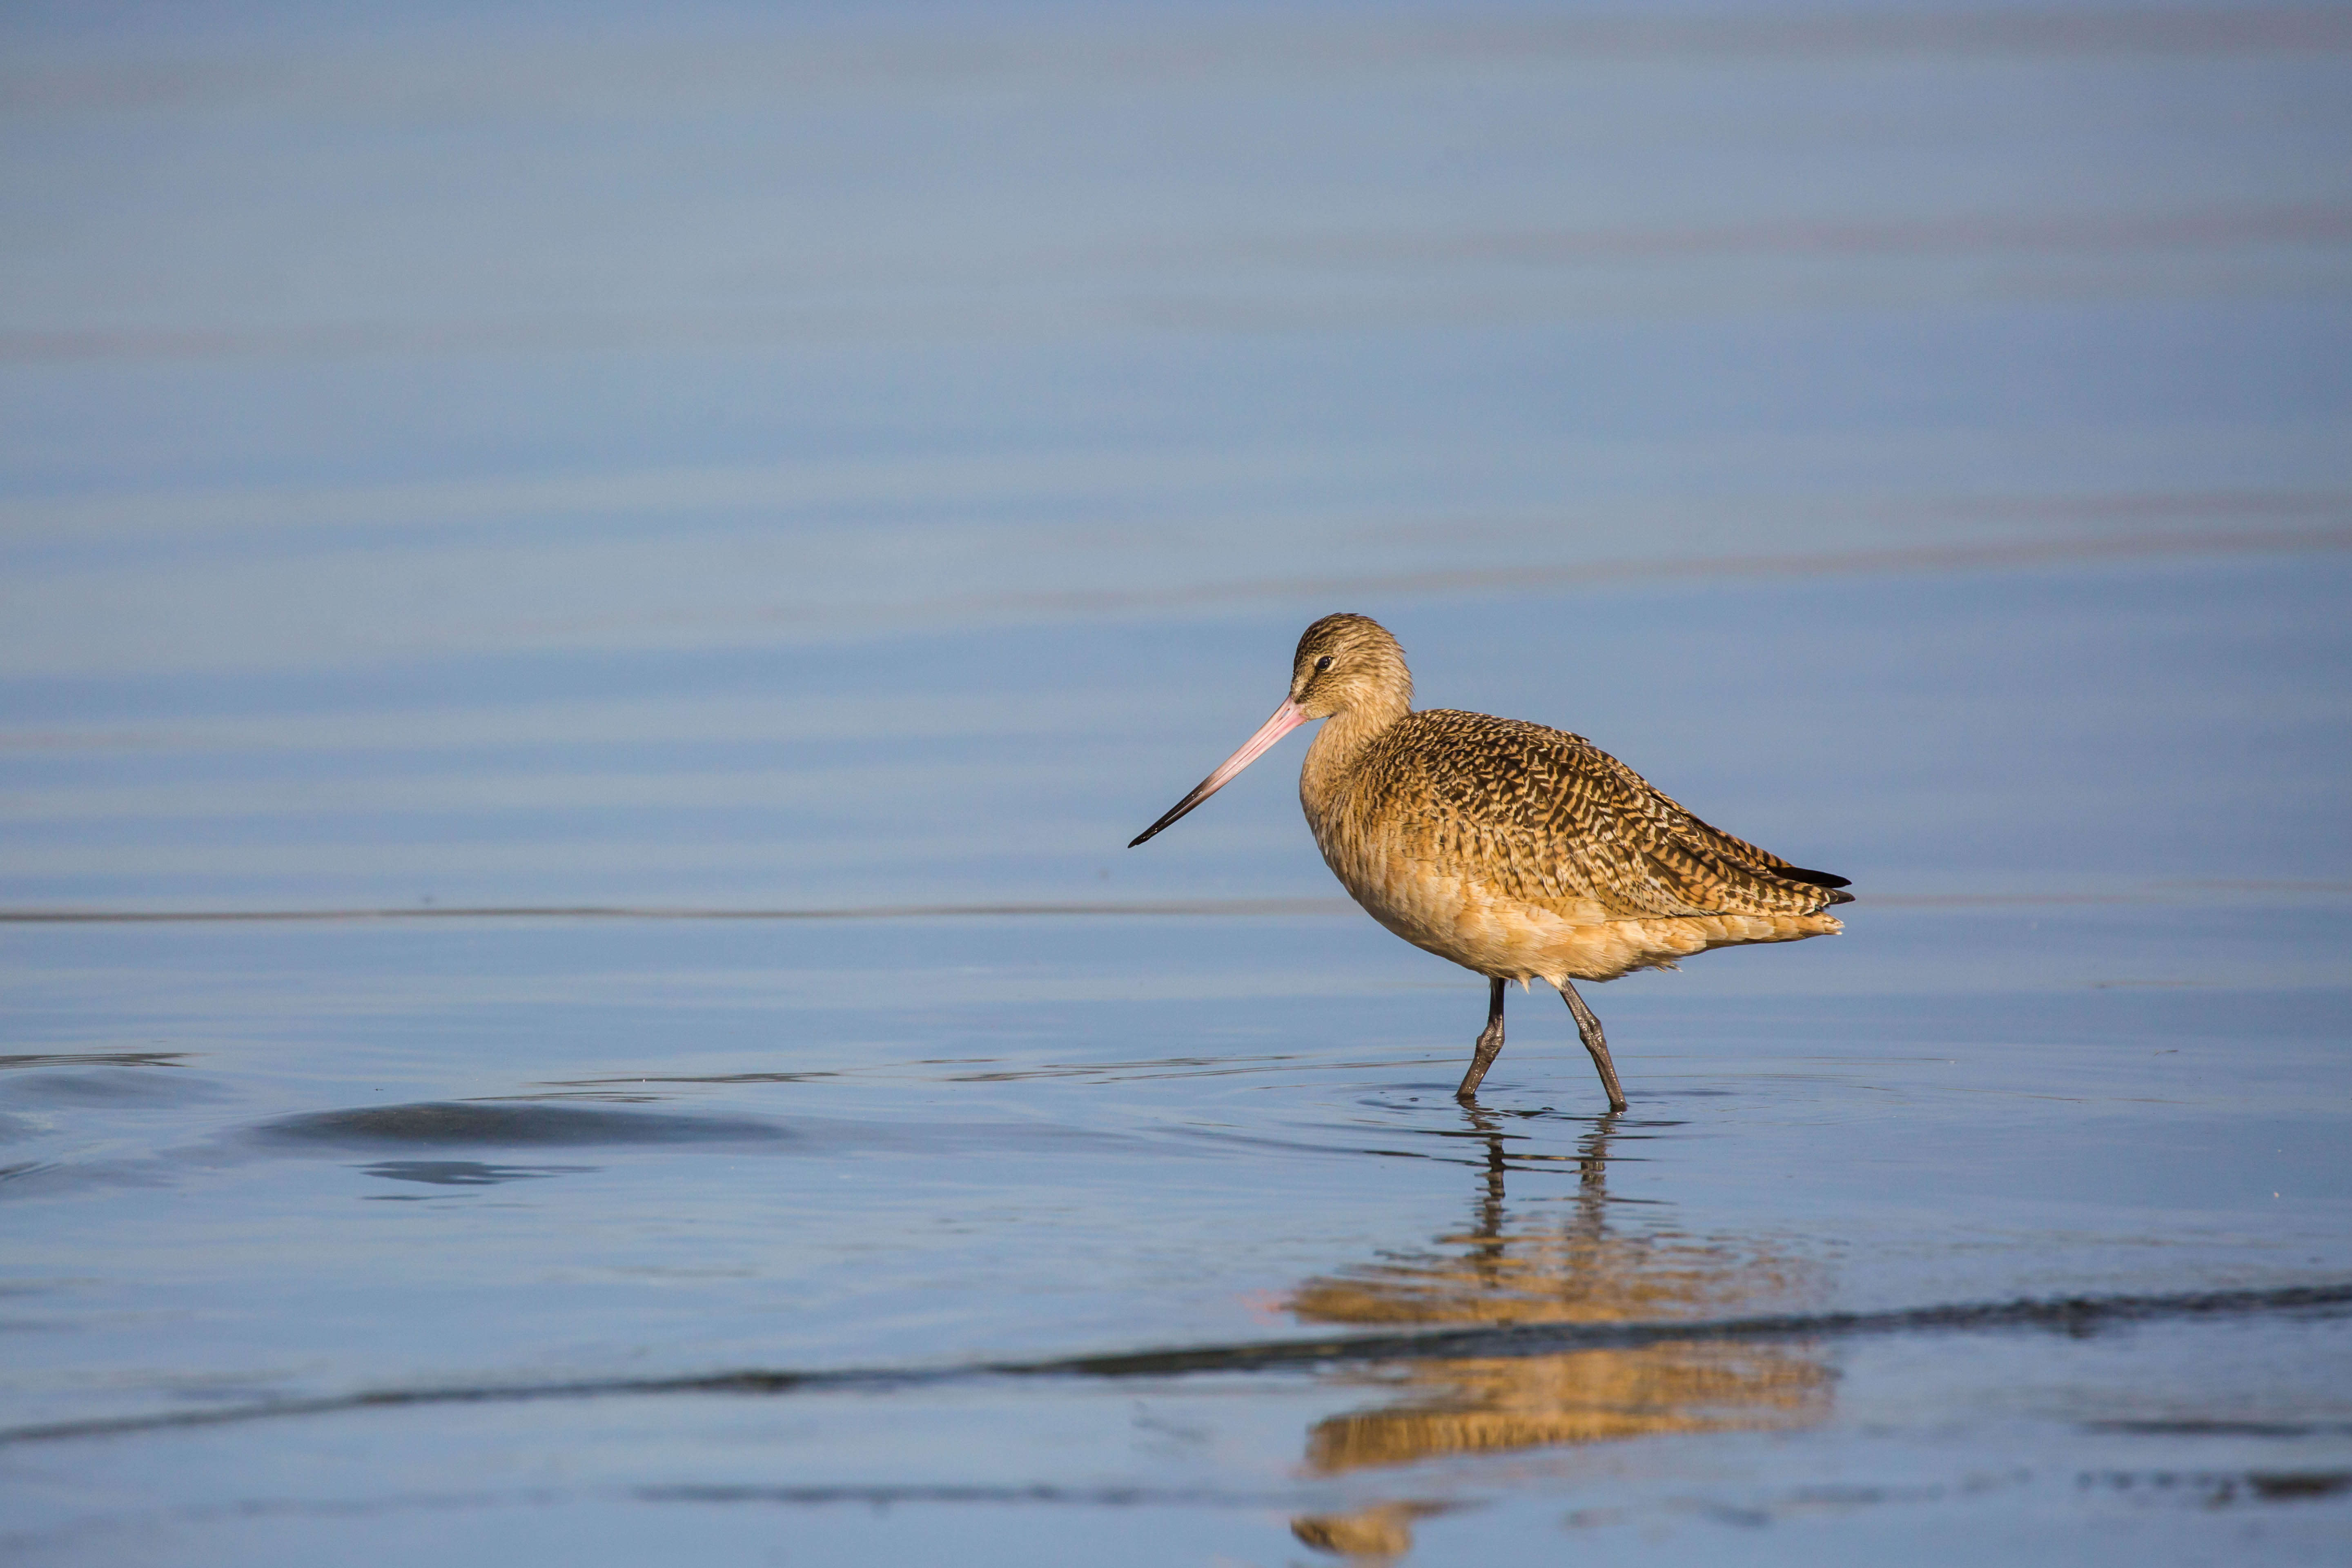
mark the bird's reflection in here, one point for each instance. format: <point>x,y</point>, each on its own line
<point>1547,1266</point>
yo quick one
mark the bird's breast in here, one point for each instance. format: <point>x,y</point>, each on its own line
<point>1441,903</point>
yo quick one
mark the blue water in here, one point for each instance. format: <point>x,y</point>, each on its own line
<point>591,599</point>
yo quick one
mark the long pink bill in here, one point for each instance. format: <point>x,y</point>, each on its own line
<point>1285,718</point>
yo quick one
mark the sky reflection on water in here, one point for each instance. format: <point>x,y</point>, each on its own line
<point>724,465</point>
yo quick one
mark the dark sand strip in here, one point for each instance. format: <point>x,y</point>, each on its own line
<point>2075,1316</point>
<point>657,912</point>
<point>2160,893</point>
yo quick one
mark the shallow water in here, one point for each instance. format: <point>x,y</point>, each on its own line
<point>587,613</point>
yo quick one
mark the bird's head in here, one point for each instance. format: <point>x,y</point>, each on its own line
<point>1345,663</point>
<point>1348,662</point>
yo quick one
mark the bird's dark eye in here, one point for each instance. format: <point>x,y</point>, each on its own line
<point>1323,663</point>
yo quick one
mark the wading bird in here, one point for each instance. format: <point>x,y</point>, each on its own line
<point>1517,851</point>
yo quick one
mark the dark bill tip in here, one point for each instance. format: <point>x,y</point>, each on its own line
<point>1285,718</point>
<point>1199,794</point>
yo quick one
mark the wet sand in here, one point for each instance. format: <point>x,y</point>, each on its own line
<point>586,617</point>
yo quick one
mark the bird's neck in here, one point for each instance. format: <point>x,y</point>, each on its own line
<point>1339,746</point>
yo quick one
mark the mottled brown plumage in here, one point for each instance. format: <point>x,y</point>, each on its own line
<point>1515,850</point>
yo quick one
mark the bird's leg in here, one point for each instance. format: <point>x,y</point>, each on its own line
<point>1490,1042</point>
<point>1588,1029</point>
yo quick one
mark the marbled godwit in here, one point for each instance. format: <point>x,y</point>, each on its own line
<point>1517,851</point>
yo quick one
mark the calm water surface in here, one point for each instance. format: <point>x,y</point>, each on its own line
<point>587,610</point>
